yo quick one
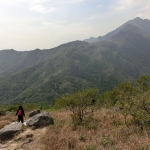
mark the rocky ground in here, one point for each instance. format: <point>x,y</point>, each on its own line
<point>26,136</point>
<point>27,139</point>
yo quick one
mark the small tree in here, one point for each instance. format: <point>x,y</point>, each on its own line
<point>80,103</point>
<point>125,93</point>
<point>144,83</point>
<point>141,109</point>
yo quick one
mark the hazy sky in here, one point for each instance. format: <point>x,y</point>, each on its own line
<point>44,24</point>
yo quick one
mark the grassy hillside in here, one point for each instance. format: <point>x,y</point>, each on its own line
<point>105,130</point>
<point>119,120</point>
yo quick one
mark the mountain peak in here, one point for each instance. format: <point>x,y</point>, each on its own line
<point>143,24</point>
<point>138,18</point>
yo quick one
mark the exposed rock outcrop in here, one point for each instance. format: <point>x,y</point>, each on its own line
<point>34,112</point>
<point>40,120</point>
<point>10,130</point>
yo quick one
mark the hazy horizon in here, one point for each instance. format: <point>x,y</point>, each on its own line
<point>44,24</point>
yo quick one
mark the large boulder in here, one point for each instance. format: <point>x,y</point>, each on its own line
<point>40,120</point>
<point>10,130</point>
<point>34,112</point>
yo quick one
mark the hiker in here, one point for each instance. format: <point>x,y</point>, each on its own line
<point>20,113</point>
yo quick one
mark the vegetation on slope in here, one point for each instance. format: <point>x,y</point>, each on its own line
<point>42,76</point>
<point>104,130</point>
<point>130,100</point>
<point>120,122</point>
<point>63,74</point>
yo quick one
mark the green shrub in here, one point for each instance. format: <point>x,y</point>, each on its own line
<point>12,108</point>
<point>2,113</point>
<point>81,138</point>
<point>106,141</point>
<point>91,147</point>
<point>80,104</point>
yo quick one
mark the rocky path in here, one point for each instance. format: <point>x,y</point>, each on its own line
<point>26,140</point>
<point>26,136</point>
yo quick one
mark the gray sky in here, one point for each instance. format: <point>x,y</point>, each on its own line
<point>44,24</point>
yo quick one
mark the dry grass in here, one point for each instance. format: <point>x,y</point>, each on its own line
<point>102,131</point>
<point>7,119</point>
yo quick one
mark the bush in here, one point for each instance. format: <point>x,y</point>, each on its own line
<point>12,108</point>
<point>2,113</point>
<point>91,147</point>
<point>80,103</point>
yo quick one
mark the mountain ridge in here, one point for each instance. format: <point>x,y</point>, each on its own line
<point>141,23</point>
<point>41,76</point>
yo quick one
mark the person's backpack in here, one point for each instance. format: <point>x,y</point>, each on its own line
<point>20,113</point>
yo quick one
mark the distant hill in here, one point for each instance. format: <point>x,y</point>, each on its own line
<point>40,76</point>
<point>140,23</point>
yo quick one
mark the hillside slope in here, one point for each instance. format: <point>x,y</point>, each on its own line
<point>71,69</point>
<point>40,76</point>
